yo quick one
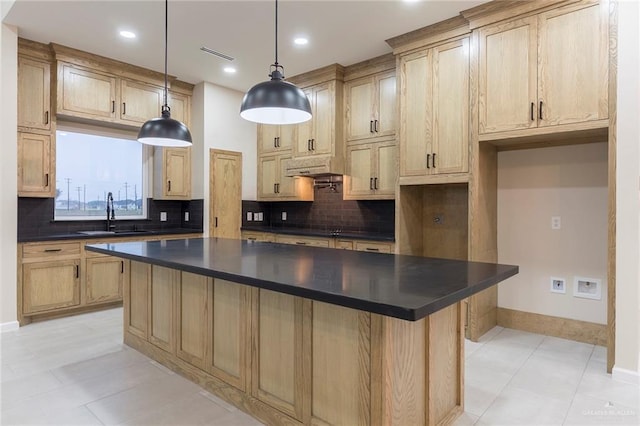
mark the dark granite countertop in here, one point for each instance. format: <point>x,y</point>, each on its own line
<point>406,287</point>
<point>101,235</point>
<point>358,235</point>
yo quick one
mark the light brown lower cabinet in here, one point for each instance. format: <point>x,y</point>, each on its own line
<point>290,360</point>
<point>50,285</point>
<point>104,279</point>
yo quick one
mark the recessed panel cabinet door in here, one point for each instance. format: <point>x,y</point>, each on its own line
<point>573,78</point>
<point>50,285</point>
<point>267,137</point>
<point>104,279</point>
<point>360,105</point>
<point>508,76</point>
<point>164,283</point>
<point>387,170</point>
<point>286,184</point>
<point>180,106</point>
<point>323,130</point>
<point>304,131</point>
<point>360,171</point>
<point>386,105</point>
<point>268,169</point>
<point>85,93</point>
<point>178,170</point>
<point>194,309</point>
<point>139,102</point>
<point>34,165</point>
<point>34,97</point>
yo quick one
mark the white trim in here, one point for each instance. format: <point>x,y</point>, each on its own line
<point>627,376</point>
<point>9,326</point>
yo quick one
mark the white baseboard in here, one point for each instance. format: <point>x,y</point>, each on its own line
<point>626,376</point>
<point>9,326</point>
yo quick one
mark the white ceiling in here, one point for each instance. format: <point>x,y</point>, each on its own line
<point>344,32</point>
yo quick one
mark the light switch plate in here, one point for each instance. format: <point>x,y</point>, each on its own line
<point>186,216</point>
<point>284,215</point>
<point>249,216</point>
<point>260,216</point>
<point>163,216</point>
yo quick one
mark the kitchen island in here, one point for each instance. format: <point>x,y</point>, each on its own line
<point>305,335</point>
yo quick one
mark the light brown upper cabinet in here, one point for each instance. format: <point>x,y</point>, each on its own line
<point>99,95</point>
<point>34,94</point>
<point>180,105</point>
<point>371,107</point>
<point>273,138</point>
<point>371,171</point>
<point>172,173</point>
<point>275,185</point>
<point>318,135</point>
<point>544,70</point>
<point>35,168</point>
<point>434,112</point>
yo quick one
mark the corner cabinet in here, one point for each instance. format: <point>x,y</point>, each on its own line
<point>34,93</point>
<point>36,168</point>
<point>371,171</point>
<point>172,173</point>
<point>544,70</point>
<point>434,114</point>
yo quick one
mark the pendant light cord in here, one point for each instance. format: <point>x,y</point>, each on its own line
<point>276,64</point>
<point>166,42</point>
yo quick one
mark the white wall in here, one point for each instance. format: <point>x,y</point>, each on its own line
<point>8,175</point>
<point>627,194</point>
<point>533,186</point>
<point>217,124</point>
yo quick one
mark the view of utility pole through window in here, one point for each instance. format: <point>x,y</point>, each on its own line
<point>91,166</point>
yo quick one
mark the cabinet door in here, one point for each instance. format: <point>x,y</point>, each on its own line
<point>386,105</point>
<point>164,282</point>
<point>286,184</point>
<point>415,112</point>
<point>87,94</point>
<point>360,106</point>
<point>50,285</point>
<point>322,138</point>
<point>178,172</point>
<point>450,126</point>
<point>268,172</point>
<point>139,102</point>
<point>304,131</point>
<point>180,106</point>
<point>508,75</point>
<point>193,319</point>
<point>136,301</point>
<point>360,172</point>
<point>104,279</point>
<point>573,63</point>
<point>268,137</point>
<point>386,170</point>
<point>34,96</point>
<point>287,135</point>
<point>34,165</point>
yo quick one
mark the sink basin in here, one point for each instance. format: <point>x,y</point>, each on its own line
<point>96,232</point>
<point>134,232</point>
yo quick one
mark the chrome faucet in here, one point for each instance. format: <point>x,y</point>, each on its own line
<point>111,213</point>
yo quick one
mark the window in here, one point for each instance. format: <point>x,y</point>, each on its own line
<point>88,167</point>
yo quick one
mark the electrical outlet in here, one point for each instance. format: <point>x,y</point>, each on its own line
<point>558,285</point>
<point>260,216</point>
<point>249,216</point>
<point>186,216</point>
<point>163,216</point>
<point>556,223</point>
<point>284,215</point>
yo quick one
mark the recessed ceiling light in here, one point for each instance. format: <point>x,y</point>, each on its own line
<point>301,41</point>
<point>127,34</point>
<point>229,70</point>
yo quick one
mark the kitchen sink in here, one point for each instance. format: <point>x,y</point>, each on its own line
<point>96,232</point>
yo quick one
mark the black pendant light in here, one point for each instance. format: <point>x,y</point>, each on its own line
<point>165,131</point>
<point>275,101</point>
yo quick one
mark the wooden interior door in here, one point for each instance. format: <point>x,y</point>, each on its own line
<point>508,76</point>
<point>34,165</point>
<point>415,112</point>
<point>225,194</point>
<point>450,128</point>
<point>574,54</point>
<point>34,96</point>
<point>360,105</point>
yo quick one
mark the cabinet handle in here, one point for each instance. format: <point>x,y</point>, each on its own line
<point>540,112</point>
<point>372,249</point>
<point>313,144</point>
<point>375,183</point>
<point>428,158</point>
<point>46,179</point>
<point>113,106</point>
<point>77,271</point>
<point>375,125</point>
<point>301,243</point>
<point>216,225</point>
<point>274,189</point>
<point>278,187</point>
<point>52,250</point>
<point>371,183</point>
<point>532,108</point>
<point>122,266</point>
<point>433,163</point>
<point>168,186</point>
<point>251,238</point>
<point>124,108</point>
<point>46,117</point>
<point>371,126</point>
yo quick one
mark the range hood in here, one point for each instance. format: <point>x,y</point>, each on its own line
<point>314,166</point>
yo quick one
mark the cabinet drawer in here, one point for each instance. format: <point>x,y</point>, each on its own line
<point>302,241</point>
<point>344,244</point>
<point>374,246</point>
<point>49,250</point>
<point>257,236</point>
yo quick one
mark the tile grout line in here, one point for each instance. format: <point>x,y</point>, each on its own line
<point>593,349</point>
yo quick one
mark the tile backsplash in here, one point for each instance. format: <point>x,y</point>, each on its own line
<point>35,218</point>
<point>328,212</point>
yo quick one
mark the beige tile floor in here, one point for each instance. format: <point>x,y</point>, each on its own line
<point>76,371</point>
